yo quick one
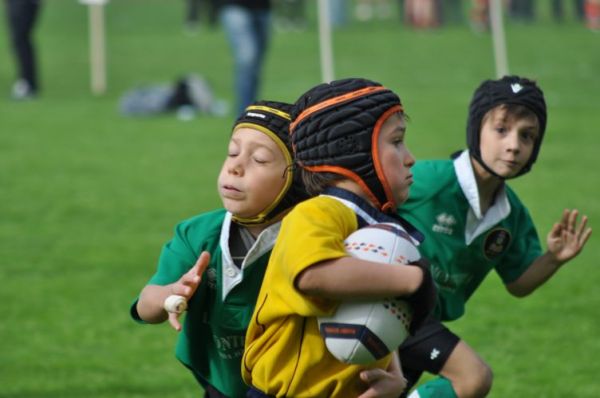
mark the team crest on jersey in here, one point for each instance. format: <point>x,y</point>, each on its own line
<point>444,224</point>
<point>211,277</point>
<point>496,242</point>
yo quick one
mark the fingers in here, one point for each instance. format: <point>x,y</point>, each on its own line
<point>572,221</point>
<point>582,225</point>
<point>564,221</point>
<point>202,263</point>
<point>556,231</point>
<point>190,281</point>
<point>580,231</point>
<point>174,321</point>
<point>369,376</point>
<point>577,234</point>
<point>584,237</point>
<point>381,383</point>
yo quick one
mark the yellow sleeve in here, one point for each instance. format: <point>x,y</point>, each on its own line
<point>314,232</point>
<point>285,353</point>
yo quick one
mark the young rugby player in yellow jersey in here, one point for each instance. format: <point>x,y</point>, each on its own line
<point>348,139</point>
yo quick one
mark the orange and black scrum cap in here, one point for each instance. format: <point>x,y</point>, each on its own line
<point>508,90</point>
<point>335,129</point>
<point>273,119</point>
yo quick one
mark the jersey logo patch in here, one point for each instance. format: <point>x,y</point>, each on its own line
<point>516,87</point>
<point>496,242</point>
<point>211,278</point>
<point>444,224</point>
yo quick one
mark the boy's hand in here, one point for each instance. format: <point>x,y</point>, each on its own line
<point>186,286</point>
<point>382,383</point>
<point>566,239</point>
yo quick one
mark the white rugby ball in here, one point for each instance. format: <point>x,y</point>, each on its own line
<point>361,332</point>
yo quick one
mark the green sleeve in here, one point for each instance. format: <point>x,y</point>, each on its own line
<point>525,245</point>
<point>191,237</point>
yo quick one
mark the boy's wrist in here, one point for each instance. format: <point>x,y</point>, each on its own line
<point>550,260</point>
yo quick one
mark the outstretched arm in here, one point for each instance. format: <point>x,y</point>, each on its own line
<point>150,305</point>
<point>565,241</point>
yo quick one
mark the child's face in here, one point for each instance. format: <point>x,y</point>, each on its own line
<point>507,142</point>
<point>253,173</point>
<point>395,157</point>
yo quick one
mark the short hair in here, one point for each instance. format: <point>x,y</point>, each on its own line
<point>315,183</point>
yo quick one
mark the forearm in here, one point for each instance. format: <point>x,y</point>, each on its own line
<point>536,275</point>
<point>150,306</point>
<point>350,278</point>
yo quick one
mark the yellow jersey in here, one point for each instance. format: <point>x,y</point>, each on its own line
<point>285,355</point>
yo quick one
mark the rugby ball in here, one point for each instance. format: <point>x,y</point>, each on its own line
<point>361,332</point>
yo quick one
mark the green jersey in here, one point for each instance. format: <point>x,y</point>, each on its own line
<point>461,243</point>
<point>211,343</point>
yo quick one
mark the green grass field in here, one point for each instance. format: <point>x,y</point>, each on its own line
<point>87,196</point>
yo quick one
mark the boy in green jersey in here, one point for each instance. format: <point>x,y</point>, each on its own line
<point>217,260</point>
<point>474,223</point>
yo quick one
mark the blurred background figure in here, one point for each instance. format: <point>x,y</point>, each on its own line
<point>198,12</point>
<point>592,15</point>
<point>247,26</point>
<point>22,16</point>
<point>558,11</point>
<point>290,14</point>
<point>365,10</point>
<point>522,10</point>
<point>338,13</point>
<point>480,15</point>
<point>422,13</point>
<point>452,12</point>
<point>192,14</point>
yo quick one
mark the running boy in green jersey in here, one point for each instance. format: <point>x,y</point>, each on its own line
<point>348,138</point>
<point>474,223</point>
<point>257,187</point>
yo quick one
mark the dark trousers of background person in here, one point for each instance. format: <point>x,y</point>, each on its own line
<point>22,16</point>
<point>248,32</point>
<point>522,10</point>
<point>558,9</point>
<point>196,10</point>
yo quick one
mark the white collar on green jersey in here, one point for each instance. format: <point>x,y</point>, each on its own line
<point>478,223</point>
<point>231,274</point>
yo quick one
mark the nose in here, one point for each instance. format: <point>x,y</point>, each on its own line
<point>513,142</point>
<point>235,167</point>
<point>409,160</point>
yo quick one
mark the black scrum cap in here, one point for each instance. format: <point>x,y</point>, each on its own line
<point>273,119</point>
<point>335,128</point>
<point>508,90</point>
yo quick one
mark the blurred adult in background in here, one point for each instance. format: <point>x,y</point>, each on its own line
<point>452,12</point>
<point>480,15</point>
<point>422,13</point>
<point>22,16</point>
<point>290,14</point>
<point>247,24</point>
<point>198,10</point>
<point>522,10</point>
<point>592,15</point>
<point>192,13</point>
<point>366,10</point>
<point>558,11</point>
